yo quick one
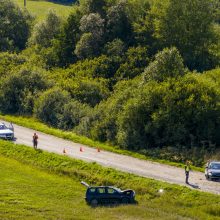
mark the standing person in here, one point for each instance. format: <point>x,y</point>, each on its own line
<point>187,169</point>
<point>35,140</point>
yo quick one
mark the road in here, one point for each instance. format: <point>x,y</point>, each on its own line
<point>124,163</point>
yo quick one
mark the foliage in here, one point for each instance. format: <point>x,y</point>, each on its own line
<point>65,44</point>
<point>72,114</point>
<point>10,61</point>
<point>167,63</point>
<point>187,25</point>
<point>118,22</point>
<point>49,107</point>
<point>135,60</point>
<point>20,89</point>
<point>44,32</point>
<point>14,26</point>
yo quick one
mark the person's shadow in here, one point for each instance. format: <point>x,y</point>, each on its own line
<point>193,185</point>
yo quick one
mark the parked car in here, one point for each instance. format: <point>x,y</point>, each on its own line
<point>212,170</point>
<point>6,132</point>
<point>108,195</point>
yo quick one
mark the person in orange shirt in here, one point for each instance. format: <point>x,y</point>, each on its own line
<point>35,140</point>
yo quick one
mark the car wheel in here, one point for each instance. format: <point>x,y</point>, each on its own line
<point>94,202</point>
<point>125,200</point>
<point>209,178</point>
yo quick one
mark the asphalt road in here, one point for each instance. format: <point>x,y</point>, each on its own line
<point>128,164</point>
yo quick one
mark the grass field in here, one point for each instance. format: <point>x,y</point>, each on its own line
<point>40,185</point>
<point>37,125</point>
<point>40,8</point>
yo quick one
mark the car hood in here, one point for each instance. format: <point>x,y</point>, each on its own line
<point>6,131</point>
<point>127,190</point>
<point>214,170</point>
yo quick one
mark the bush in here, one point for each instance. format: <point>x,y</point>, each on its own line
<point>72,114</point>
<point>20,89</point>
<point>50,106</point>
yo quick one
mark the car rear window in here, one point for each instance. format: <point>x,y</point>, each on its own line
<point>92,190</point>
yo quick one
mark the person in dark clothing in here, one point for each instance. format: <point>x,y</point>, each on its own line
<point>35,140</point>
<point>187,169</point>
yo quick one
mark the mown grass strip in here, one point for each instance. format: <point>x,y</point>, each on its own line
<point>177,202</point>
<point>39,126</point>
<point>40,8</point>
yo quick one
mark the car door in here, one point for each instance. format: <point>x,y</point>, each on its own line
<point>113,195</point>
<point>101,194</point>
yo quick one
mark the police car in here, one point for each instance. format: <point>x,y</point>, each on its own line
<point>6,133</point>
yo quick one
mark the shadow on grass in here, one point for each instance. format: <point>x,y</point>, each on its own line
<point>113,205</point>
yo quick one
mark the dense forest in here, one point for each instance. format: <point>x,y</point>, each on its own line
<point>140,74</point>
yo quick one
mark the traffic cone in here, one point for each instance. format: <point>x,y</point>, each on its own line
<point>98,150</point>
<point>64,151</point>
<point>81,149</point>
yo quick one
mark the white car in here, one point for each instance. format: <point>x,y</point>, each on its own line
<point>6,132</point>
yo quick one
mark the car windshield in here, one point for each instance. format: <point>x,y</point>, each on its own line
<point>117,189</point>
<point>2,127</point>
<point>215,166</point>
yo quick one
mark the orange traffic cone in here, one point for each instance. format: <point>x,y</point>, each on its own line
<point>98,150</point>
<point>64,151</point>
<point>81,149</point>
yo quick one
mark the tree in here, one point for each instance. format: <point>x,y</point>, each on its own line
<point>115,48</point>
<point>167,63</point>
<point>20,89</point>
<point>94,24</point>
<point>44,32</point>
<point>187,25</point>
<point>50,105</point>
<point>72,114</point>
<point>86,47</point>
<point>92,27</point>
<point>93,6</point>
<point>118,22</point>
<point>65,44</point>
<point>161,114</point>
<point>14,26</point>
<point>135,60</point>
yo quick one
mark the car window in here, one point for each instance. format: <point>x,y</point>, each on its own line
<point>2,127</point>
<point>111,191</point>
<point>92,190</point>
<point>101,190</point>
<point>215,166</point>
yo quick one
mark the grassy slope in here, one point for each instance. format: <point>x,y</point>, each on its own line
<point>54,191</point>
<point>37,125</point>
<point>40,8</point>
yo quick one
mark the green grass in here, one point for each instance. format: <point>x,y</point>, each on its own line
<point>41,185</point>
<point>40,8</point>
<point>37,125</point>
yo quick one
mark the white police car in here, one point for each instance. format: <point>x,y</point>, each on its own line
<point>6,132</point>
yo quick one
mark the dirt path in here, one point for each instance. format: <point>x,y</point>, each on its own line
<point>124,163</point>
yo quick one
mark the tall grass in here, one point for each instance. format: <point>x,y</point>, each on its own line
<point>177,202</point>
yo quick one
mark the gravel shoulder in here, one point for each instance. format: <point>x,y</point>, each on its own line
<point>124,163</point>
